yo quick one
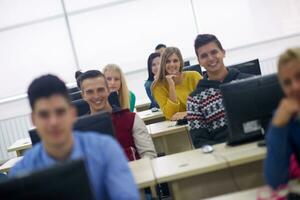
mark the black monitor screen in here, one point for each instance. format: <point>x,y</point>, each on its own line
<point>81,106</point>
<point>75,96</point>
<point>100,122</point>
<point>73,89</point>
<point>250,67</point>
<point>196,68</point>
<point>62,181</point>
<point>249,106</point>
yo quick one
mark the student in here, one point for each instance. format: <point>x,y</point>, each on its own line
<point>205,109</point>
<point>130,130</point>
<point>173,86</point>
<point>153,67</point>
<point>283,140</point>
<point>160,48</point>
<point>117,82</point>
<point>53,116</point>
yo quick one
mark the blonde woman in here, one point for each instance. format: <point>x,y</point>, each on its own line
<point>116,82</point>
<point>173,86</point>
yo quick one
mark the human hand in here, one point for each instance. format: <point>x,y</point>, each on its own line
<point>287,109</point>
<point>170,79</point>
<point>178,115</point>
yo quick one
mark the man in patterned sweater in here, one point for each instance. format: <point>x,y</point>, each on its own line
<point>205,109</point>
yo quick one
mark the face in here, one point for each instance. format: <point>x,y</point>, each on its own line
<point>289,76</point>
<point>210,56</point>
<point>54,117</point>
<point>95,93</point>
<point>114,80</point>
<point>155,65</point>
<point>173,65</point>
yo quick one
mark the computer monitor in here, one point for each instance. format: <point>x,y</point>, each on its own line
<point>100,122</point>
<point>249,105</point>
<point>62,181</point>
<point>196,68</point>
<point>75,96</point>
<point>186,63</point>
<point>73,89</point>
<point>250,67</point>
<point>81,106</point>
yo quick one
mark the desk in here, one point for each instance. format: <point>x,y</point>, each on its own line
<point>144,105</point>
<point>20,146</point>
<point>143,175</point>
<point>195,175</point>
<point>150,117</point>
<point>169,138</point>
<point>9,164</point>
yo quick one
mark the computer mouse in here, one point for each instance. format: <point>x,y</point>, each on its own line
<point>154,109</point>
<point>207,148</point>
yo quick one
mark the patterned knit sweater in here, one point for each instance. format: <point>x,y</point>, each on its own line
<point>206,112</point>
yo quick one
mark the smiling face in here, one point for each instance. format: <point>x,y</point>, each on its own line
<point>210,56</point>
<point>95,93</point>
<point>113,79</point>
<point>289,76</point>
<point>173,65</point>
<point>54,117</point>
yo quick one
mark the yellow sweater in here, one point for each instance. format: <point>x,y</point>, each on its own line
<point>161,94</point>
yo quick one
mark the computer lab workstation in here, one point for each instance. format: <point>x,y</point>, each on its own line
<point>200,173</point>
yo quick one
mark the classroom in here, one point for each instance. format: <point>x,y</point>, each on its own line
<point>150,99</point>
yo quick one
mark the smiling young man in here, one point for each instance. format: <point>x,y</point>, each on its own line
<point>205,109</point>
<point>53,116</point>
<point>130,130</point>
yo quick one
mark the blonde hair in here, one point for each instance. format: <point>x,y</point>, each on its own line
<point>123,91</point>
<point>287,56</point>
<point>164,57</point>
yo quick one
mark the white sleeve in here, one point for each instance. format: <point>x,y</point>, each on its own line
<point>142,139</point>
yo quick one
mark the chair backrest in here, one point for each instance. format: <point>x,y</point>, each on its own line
<point>196,68</point>
<point>250,67</point>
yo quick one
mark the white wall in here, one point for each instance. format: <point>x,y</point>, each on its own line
<point>34,36</point>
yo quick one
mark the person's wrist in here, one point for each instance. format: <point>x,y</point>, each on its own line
<point>279,122</point>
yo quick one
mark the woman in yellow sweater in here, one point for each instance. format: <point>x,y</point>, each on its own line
<point>173,86</point>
